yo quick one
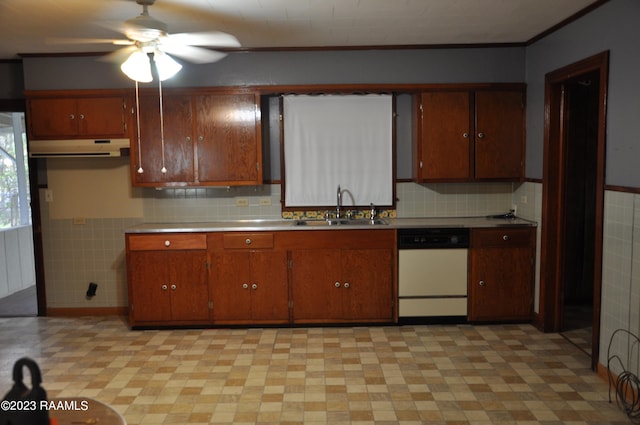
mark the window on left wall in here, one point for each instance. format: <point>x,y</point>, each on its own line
<point>14,183</point>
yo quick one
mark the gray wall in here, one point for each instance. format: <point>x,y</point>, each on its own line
<point>11,80</point>
<point>318,67</point>
<point>614,27</point>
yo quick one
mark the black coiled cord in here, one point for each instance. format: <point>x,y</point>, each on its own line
<point>626,384</point>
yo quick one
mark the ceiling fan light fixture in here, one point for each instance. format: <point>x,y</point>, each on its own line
<point>167,67</point>
<point>138,67</point>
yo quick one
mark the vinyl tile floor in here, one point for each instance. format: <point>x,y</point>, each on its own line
<point>435,374</point>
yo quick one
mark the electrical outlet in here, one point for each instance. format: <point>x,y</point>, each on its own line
<point>523,199</point>
<point>48,195</point>
<point>79,220</point>
<point>242,202</point>
<point>265,202</point>
<point>514,207</point>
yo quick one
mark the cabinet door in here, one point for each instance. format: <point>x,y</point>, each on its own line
<point>228,134</point>
<point>499,134</point>
<point>270,296</point>
<point>446,136</point>
<point>101,117</point>
<point>367,285</point>
<point>188,285</point>
<point>177,156</point>
<point>230,286</point>
<point>316,297</point>
<point>50,118</point>
<point>149,287</point>
<point>500,275</point>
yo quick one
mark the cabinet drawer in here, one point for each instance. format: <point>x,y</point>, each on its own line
<point>502,237</point>
<point>166,242</point>
<point>247,240</point>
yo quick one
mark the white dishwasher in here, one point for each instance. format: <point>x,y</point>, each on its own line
<point>432,274</point>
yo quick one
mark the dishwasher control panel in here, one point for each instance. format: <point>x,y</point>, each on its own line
<point>433,237</point>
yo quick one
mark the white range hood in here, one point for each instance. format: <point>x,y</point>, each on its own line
<point>78,148</point>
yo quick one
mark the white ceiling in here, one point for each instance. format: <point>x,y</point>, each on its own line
<point>25,25</point>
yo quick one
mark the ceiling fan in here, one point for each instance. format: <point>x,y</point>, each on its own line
<point>148,39</point>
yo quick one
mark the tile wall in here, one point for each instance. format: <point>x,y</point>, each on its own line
<point>620,307</point>
<point>17,268</point>
<point>76,255</point>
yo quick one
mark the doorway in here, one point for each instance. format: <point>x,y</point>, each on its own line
<point>573,202</point>
<point>576,294</point>
<point>18,294</point>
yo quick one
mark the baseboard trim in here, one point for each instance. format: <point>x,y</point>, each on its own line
<point>87,311</point>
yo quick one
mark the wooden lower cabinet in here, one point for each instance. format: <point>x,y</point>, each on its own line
<point>345,276</point>
<point>249,283</point>
<point>167,279</point>
<point>501,271</point>
<point>245,278</point>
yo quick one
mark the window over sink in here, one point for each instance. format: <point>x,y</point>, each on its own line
<point>336,140</point>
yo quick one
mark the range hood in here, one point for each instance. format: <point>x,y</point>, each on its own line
<point>78,148</point>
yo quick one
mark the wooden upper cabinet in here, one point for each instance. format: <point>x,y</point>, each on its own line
<point>499,135</point>
<point>209,139</point>
<point>177,154</point>
<point>228,131</point>
<point>65,116</point>
<point>446,142</point>
<point>470,135</point>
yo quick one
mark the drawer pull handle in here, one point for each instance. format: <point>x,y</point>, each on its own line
<point>505,237</point>
<point>337,284</point>
<point>247,241</point>
<point>482,283</point>
<point>167,243</point>
<point>245,286</point>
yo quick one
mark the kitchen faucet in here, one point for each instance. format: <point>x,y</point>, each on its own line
<point>339,202</point>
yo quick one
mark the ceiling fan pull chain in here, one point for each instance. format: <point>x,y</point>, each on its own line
<point>140,170</point>
<point>164,169</point>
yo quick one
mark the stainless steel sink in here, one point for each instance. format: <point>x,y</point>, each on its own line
<point>342,222</point>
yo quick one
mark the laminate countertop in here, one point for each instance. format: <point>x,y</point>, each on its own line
<point>293,225</point>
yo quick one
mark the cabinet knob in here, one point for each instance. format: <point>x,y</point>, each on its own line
<point>465,135</point>
<point>164,287</point>
<point>200,138</point>
<point>245,286</point>
<point>247,241</point>
<point>254,286</point>
<point>482,283</point>
<point>81,116</point>
<point>505,237</point>
<point>174,287</point>
<point>347,284</point>
<point>167,243</point>
<point>187,139</point>
<point>480,135</point>
<point>337,284</point>
<point>72,117</point>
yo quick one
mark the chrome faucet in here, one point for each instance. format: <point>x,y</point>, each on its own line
<point>339,202</point>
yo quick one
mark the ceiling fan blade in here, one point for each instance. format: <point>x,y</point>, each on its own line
<point>63,40</point>
<point>118,56</point>
<point>193,54</point>
<point>210,38</point>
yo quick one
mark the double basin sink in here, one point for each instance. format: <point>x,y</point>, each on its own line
<point>342,222</point>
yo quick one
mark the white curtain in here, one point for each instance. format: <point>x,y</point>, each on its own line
<point>333,140</point>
